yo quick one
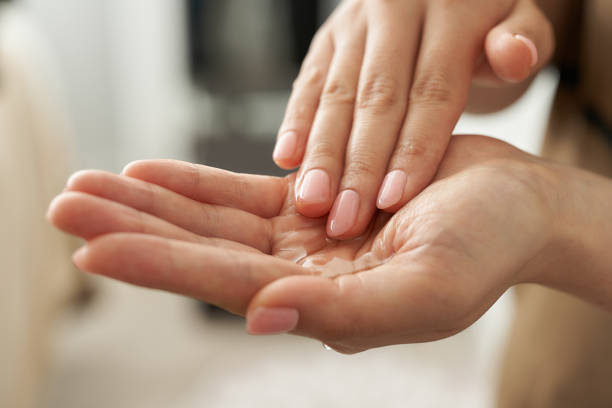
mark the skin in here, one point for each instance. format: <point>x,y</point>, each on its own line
<point>382,88</point>
<point>227,239</point>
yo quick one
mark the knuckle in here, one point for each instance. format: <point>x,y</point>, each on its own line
<point>309,77</point>
<point>379,93</point>
<point>323,150</point>
<point>431,88</point>
<point>209,217</point>
<point>151,201</point>
<point>412,149</point>
<point>242,188</point>
<point>361,167</point>
<point>337,92</point>
<point>193,174</point>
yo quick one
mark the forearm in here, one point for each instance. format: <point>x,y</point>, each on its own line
<point>579,259</point>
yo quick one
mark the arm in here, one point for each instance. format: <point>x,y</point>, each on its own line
<point>579,259</point>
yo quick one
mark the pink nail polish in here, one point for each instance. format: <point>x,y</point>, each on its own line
<point>344,213</point>
<point>315,187</point>
<point>272,320</point>
<point>285,146</point>
<point>392,189</point>
<point>531,46</point>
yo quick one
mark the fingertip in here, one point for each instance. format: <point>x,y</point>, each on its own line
<point>287,165</point>
<point>137,168</point>
<point>52,209</point>
<point>511,56</point>
<point>271,320</point>
<point>128,168</point>
<point>286,147</point>
<point>314,195</point>
<point>305,303</point>
<point>76,178</point>
<point>59,212</point>
<point>343,215</point>
<point>79,258</point>
<point>531,46</point>
<point>392,189</point>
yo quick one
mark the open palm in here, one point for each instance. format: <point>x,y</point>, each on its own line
<point>237,241</point>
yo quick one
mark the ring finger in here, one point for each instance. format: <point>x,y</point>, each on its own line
<point>323,162</point>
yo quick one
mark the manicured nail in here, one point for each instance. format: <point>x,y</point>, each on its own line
<point>344,213</point>
<point>285,146</point>
<point>271,320</point>
<point>315,187</point>
<point>392,189</point>
<point>532,48</point>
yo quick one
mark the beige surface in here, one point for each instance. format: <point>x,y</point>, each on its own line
<point>142,348</point>
<point>35,270</point>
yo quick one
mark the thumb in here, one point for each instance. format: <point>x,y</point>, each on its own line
<point>517,47</point>
<point>355,312</point>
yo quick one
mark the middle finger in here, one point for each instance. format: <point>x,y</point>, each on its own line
<point>381,105</point>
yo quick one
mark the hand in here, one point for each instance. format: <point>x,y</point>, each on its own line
<point>381,89</point>
<point>238,241</point>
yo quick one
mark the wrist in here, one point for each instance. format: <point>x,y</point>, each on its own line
<point>576,257</point>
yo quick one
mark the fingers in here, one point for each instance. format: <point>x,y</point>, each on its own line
<point>437,97</point>
<point>199,218</point>
<point>386,305</point>
<point>303,103</point>
<point>260,195</point>
<point>379,112</point>
<point>320,172</point>
<point>216,275</point>
<point>88,216</point>
<point>519,46</point>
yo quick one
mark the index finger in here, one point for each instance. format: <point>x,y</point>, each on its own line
<point>260,195</point>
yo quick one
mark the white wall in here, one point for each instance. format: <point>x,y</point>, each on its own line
<point>77,31</point>
<point>149,73</point>
<point>124,69</point>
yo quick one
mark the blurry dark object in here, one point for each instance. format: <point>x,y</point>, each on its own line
<point>305,22</point>
<point>219,35</point>
<point>252,156</point>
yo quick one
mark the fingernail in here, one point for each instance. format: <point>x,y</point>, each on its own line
<point>344,213</point>
<point>392,189</point>
<point>532,48</point>
<point>315,187</point>
<point>78,258</point>
<point>271,320</point>
<point>285,146</point>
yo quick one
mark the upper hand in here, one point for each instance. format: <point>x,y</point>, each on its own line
<point>238,241</point>
<point>381,89</point>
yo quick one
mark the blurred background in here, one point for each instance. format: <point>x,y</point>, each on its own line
<point>96,84</point>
